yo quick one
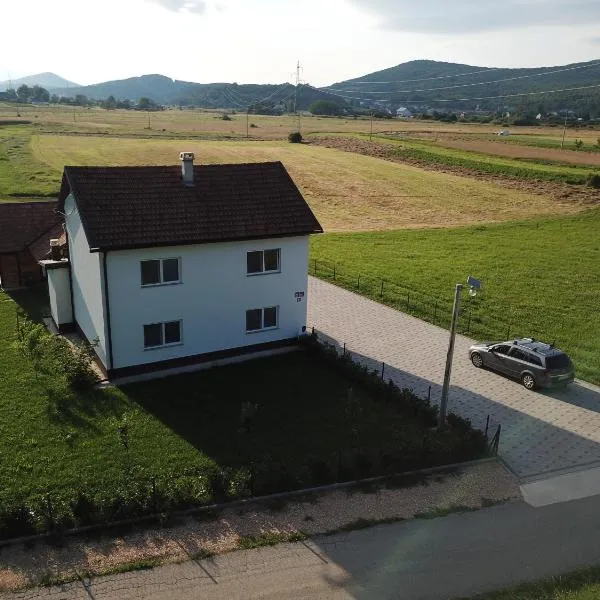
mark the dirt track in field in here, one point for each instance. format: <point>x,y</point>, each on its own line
<point>562,192</point>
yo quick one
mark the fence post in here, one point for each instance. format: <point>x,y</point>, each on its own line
<point>435,311</point>
<point>497,439</point>
<point>381,292</point>
<point>358,283</point>
<point>334,271</point>
<point>407,300</point>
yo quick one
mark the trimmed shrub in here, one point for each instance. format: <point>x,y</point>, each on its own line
<point>593,180</point>
<point>295,137</point>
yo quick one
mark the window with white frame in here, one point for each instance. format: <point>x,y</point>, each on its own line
<point>259,319</point>
<point>263,261</point>
<point>158,335</point>
<point>160,271</point>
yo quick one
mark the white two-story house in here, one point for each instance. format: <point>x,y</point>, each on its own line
<point>171,265</point>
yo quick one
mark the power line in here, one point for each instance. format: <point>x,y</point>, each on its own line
<point>462,84</point>
<point>427,78</point>
<point>424,101</point>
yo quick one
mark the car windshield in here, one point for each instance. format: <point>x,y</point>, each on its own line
<point>559,361</point>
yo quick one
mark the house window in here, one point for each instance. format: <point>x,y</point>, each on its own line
<point>263,261</point>
<point>157,335</point>
<point>160,271</point>
<point>258,319</point>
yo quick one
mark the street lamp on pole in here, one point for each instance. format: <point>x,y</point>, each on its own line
<point>474,285</point>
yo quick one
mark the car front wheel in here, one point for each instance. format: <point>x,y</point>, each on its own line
<point>477,360</point>
<point>528,381</point>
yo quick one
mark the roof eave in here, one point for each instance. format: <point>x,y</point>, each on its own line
<point>202,242</point>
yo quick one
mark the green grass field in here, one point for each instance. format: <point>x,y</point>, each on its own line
<point>542,277</point>
<point>21,175</point>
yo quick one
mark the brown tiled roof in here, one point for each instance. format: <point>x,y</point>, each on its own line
<point>26,223</point>
<point>132,207</point>
<point>40,248</point>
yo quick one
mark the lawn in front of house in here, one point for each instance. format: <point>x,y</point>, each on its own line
<point>55,442</point>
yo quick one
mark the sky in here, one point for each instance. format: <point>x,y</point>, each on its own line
<point>261,41</point>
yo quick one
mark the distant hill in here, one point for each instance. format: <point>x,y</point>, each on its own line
<point>442,85</point>
<point>50,81</point>
<point>164,90</point>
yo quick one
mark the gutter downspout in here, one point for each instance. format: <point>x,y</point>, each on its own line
<point>109,366</point>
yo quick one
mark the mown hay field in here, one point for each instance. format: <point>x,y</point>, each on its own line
<point>348,192</point>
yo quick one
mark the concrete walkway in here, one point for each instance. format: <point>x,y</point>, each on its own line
<point>435,559</point>
<point>543,434</point>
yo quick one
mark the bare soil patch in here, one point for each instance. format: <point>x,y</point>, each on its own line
<point>562,193</point>
<point>528,152</point>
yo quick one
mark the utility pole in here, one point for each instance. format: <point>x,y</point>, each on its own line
<point>247,117</point>
<point>296,94</point>
<point>562,143</point>
<point>371,132</point>
<point>449,356</point>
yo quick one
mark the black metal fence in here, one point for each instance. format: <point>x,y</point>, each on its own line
<point>473,319</point>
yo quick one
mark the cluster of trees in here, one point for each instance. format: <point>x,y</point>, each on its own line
<point>37,93</point>
<point>24,93</point>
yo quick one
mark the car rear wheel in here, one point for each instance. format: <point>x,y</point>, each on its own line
<point>477,360</point>
<point>528,381</point>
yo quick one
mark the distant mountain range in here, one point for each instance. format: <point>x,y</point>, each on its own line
<point>50,81</point>
<point>440,84</point>
<point>416,84</point>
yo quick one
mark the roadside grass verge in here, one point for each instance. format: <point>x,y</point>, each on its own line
<point>270,538</point>
<point>540,278</point>
<point>71,458</point>
<point>583,584</point>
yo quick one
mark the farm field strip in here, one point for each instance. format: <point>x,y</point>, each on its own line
<point>485,161</point>
<point>525,150</point>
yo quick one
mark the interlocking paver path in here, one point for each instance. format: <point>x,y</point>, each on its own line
<point>542,433</point>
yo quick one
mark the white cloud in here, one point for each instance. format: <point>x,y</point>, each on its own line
<point>189,6</point>
<point>476,16</point>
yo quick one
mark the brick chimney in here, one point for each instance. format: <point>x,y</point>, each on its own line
<point>187,167</point>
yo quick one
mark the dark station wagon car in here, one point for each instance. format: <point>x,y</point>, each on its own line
<point>534,363</point>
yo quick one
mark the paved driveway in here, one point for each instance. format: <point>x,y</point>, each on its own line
<point>542,433</point>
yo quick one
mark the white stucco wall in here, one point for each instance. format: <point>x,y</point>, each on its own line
<point>211,300</point>
<point>60,295</point>
<point>87,278</point>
